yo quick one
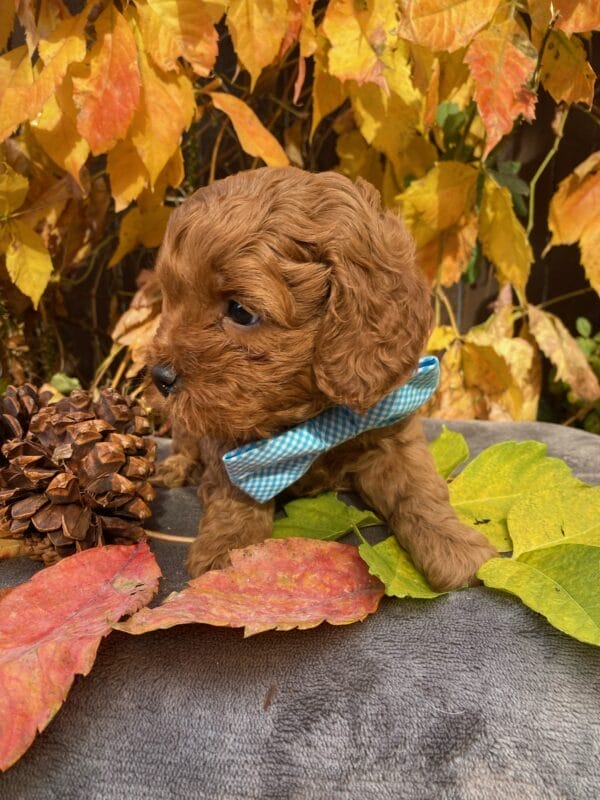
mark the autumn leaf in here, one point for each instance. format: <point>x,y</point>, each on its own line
<point>447,255</point>
<point>502,236</point>
<point>560,347</point>
<point>360,37</point>
<point>254,138</point>
<point>391,564</point>
<point>440,25</point>
<point>328,93</point>
<point>7,21</point>
<point>276,585</point>
<point>257,29</point>
<point>127,172</point>
<point>323,517</point>
<point>449,451</point>
<point>27,260</point>
<point>107,89</point>
<point>140,228</point>
<point>156,136</point>
<point>188,28</point>
<point>16,80</point>
<point>13,190</point>
<point>502,61</point>
<point>565,71</point>
<point>439,200</point>
<point>577,16</point>
<point>50,629</point>
<point>575,215</point>
<point>486,490</point>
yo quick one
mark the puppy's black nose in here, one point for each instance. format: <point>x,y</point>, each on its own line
<point>165,378</point>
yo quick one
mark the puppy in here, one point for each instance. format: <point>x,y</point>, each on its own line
<point>286,293</point>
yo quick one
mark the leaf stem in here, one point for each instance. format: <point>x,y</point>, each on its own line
<point>168,537</point>
<point>441,295</point>
<point>564,113</point>
<point>567,296</point>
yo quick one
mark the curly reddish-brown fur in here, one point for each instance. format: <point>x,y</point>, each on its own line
<point>344,316</point>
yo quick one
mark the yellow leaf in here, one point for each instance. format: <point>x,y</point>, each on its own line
<point>56,131</point>
<point>565,71</point>
<point>7,21</point>
<point>448,253</point>
<point>439,200</point>
<point>441,338</point>
<point>328,92</point>
<point>13,190</point>
<point>16,80</point>
<point>502,236</point>
<point>443,25</point>
<point>156,135</point>
<point>254,138</point>
<point>107,89</point>
<point>27,261</point>
<point>360,36</point>
<point>453,399</point>
<point>560,347</point>
<point>575,215</point>
<point>257,28</point>
<point>137,228</point>
<point>188,27</point>
<point>127,173</point>
<point>357,159</point>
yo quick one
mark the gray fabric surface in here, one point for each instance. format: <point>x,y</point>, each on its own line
<point>468,697</point>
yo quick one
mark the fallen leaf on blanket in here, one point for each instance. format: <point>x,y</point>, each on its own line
<point>449,451</point>
<point>277,584</point>
<point>50,629</point>
<point>322,517</point>
<point>392,565</point>
<point>486,490</point>
<point>555,566</point>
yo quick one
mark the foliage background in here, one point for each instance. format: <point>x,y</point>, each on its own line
<point>476,120</point>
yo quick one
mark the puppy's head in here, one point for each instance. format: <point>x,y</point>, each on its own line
<point>284,292</point>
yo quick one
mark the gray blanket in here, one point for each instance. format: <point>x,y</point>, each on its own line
<point>468,697</point>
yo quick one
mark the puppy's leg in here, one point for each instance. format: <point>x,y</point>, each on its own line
<point>399,480</point>
<point>184,465</point>
<point>230,519</point>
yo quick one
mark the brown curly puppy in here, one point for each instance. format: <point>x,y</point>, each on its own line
<point>285,293</point>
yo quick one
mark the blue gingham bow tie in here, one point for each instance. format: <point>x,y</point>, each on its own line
<point>263,469</point>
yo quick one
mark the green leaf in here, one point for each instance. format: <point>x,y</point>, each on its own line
<point>486,490</point>
<point>322,517</point>
<point>63,383</point>
<point>559,582</point>
<point>584,327</point>
<point>392,565</point>
<point>449,450</point>
<point>560,515</point>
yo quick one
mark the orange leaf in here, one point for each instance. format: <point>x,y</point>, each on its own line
<point>107,89</point>
<point>254,138</point>
<point>50,629</point>
<point>127,173</point>
<point>440,25</point>
<point>502,60</point>
<point>565,71</point>
<point>279,584</point>
<point>448,254</point>
<point>257,29</point>
<point>7,21</point>
<point>577,16</point>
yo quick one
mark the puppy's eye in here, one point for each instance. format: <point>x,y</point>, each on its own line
<point>240,315</point>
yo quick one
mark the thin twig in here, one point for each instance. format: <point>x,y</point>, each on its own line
<point>215,152</point>
<point>442,296</point>
<point>568,296</point>
<point>169,537</point>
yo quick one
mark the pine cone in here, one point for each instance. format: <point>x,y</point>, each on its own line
<point>75,472</point>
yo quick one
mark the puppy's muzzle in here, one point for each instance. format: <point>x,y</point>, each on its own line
<point>164,378</point>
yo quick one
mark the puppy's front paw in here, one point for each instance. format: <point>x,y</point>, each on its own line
<point>454,556</point>
<point>176,470</point>
<point>202,558</point>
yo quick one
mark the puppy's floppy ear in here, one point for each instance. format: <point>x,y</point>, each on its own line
<point>378,315</point>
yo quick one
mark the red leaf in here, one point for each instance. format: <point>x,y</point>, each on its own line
<point>50,629</point>
<point>502,61</point>
<point>280,584</point>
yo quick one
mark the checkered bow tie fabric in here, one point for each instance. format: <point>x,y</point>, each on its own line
<point>263,469</point>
